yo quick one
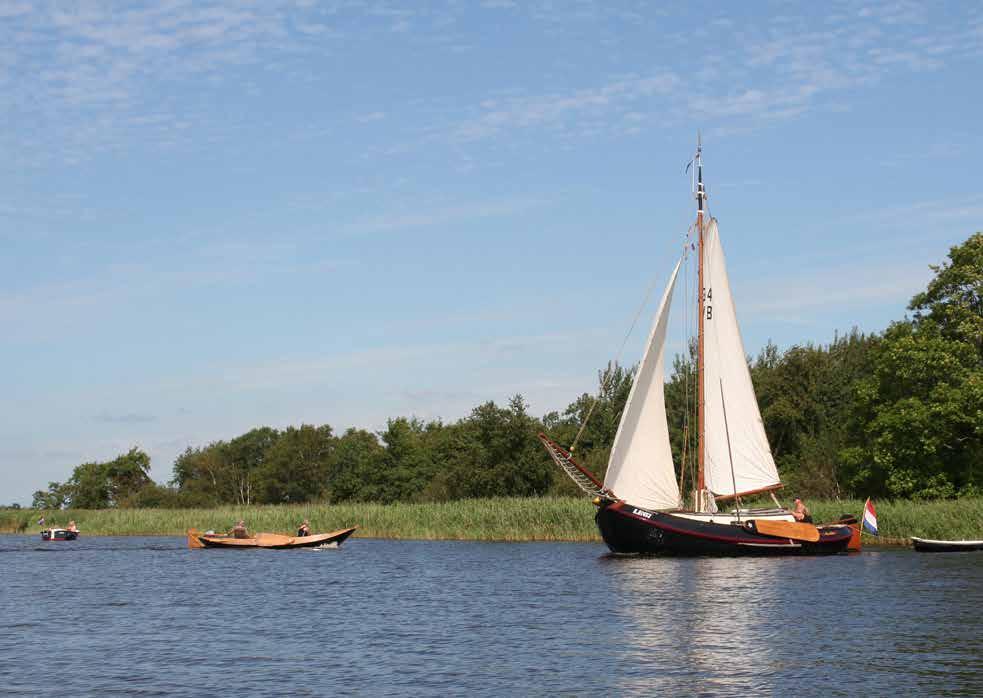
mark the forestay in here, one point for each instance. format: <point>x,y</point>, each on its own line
<point>640,468</point>
<point>727,386</point>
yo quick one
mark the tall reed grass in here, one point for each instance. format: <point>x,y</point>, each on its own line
<point>507,519</point>
<point>512,519</point>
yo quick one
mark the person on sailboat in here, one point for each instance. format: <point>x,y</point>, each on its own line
<point>801,512</point>
<point>305,529</point>
<point>239,530</point>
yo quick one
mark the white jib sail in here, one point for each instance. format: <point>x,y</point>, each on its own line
<point>640,469</point>
<point>727,387</point>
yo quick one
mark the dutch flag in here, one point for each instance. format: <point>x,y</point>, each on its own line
<point>870,517</point>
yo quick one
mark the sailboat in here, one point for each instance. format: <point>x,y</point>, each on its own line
<point>639,503</point>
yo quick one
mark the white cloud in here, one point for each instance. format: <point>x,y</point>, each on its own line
<point>501,114</point>
<point>832,288</point>
<point>91,75</point>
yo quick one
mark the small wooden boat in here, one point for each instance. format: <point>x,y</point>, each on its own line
<point>925,545</point>
<point>58,534</point>
<point>275,541</point>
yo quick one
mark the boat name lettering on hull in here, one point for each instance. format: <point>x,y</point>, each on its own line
<point>643,514</point>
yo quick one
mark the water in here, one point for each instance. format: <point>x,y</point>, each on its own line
<point>147,616</point>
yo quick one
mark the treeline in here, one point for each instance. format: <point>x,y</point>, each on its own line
<point>493,452</point>
<point>897,414</point>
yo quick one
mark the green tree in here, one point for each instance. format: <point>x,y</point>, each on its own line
<point>806,396</point>
<point>244,458</point>
<point>953,301</point>
<point>225,472</point>
<point>88,487</point>
<point>295,467</point>
<point>201,473</point>
<point>99,485</point>
<point>407,466</point>
<point>127,474</point>
<point>55,497</point>
<point>918,421</point>
<point>154,496</point>
<point>495,453</point>
<point>353,469</point>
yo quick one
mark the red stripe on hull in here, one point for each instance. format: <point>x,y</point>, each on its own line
<point>783,542</point>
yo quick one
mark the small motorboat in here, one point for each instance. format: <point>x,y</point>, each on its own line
<point>926,545</point>
<point>58,534</point>
<point>275,541</point>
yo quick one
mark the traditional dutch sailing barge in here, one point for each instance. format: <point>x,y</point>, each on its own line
<point>639,502</point>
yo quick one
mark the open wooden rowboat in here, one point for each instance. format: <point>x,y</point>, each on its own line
<point>275,541</point>
<point>925,545</point>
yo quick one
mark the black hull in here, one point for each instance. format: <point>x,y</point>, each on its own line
<point>628,529</point>
<point>946,546</point>
<point>59,535</point>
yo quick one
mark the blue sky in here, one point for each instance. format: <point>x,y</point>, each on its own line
<point>219,216</point>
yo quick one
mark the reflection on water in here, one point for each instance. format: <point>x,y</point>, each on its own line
<point>881,622</point>
<point>148,616</point>
<point>703,618</point>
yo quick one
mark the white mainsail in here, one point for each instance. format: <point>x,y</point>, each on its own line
<point>734,432</point>
<point>640,468</point>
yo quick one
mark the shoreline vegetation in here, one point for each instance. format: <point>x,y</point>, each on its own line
<point>513,519</point>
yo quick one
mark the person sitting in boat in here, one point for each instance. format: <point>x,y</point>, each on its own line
<point>304,529</point>
<point>239,530</point>
<point>71,527</point>
<point>801,512</point>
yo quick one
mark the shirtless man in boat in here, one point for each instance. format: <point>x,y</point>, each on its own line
<point>801,512</point>
<point>239,530</point>
<point>305,529</point>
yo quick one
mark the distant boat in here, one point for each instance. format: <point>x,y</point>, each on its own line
<point>640,507</point>
<point>58,534</point>
<point>925,545</point>
<point>276,541</point>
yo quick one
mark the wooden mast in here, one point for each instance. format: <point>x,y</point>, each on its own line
<point>700,424</point>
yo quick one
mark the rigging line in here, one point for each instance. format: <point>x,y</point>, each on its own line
<point>733,478</point>
<point>617,359</point>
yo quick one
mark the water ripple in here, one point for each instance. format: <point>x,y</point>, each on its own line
<point>148,617</point>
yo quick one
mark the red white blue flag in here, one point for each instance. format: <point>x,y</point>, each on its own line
<point>870,517</point>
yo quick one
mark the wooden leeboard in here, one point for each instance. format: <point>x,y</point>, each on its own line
<point>787,529</point>
<point>193,541</point>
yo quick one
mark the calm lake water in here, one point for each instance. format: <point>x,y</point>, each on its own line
<point>147,616</point>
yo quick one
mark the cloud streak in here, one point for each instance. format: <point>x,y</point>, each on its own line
<point>126,418</point>
<point>101,75</point>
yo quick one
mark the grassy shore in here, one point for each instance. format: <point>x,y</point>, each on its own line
<point>513,519</point>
